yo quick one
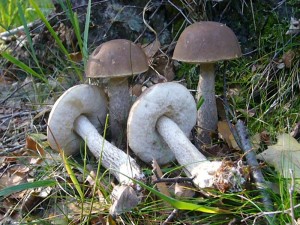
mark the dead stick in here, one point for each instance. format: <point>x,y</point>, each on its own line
<point>252,161</point>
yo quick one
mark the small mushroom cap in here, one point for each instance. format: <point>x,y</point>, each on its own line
<point>207,42</point>
<point>116,58</point>
<point>169,99</point>
<point>79,100</point>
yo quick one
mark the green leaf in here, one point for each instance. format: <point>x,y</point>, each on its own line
<point>181,205</point>
<point>21,187</point>
<point>200,102</point>
<point>72,174</point>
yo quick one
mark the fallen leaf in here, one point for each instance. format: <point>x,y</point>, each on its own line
<point>125,198</point>
<point>162,187</point>
<point>76,56</point>
<point>226,135</point>
<point>288,57</point>
<point>284,155</point>
<point>152,48</point>
<point>32,144</point>
<point>184,190</point>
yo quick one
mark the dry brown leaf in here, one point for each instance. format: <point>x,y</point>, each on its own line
<point>152,48</point>
<point>33,145</point>
<point>124,199</point>
<point>226,135</point>
<point>9,179</point>
<point>76,56</point>
<point>162,187</point>
<point>184,190</point>
<point>288,57</point>
<point>137,90</point>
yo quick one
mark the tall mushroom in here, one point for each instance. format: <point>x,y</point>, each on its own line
<point>205,43</point>
<point>76,116</point>
<point>171,113</point>
<point>117,60</point>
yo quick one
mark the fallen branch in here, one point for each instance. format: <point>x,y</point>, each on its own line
<point>252,162</point>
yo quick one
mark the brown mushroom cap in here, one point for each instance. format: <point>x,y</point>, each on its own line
<point>116,58</point>
<point>207,42</point>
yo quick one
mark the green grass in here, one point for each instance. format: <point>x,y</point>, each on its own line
<point>10,18</point>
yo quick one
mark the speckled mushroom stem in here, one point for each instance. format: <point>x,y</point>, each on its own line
<point>185,152</point>
<point>111,157</point>
<point>119,104</point>
<point>195,163</point>
<point>207,118</point>
<point>187,155</point>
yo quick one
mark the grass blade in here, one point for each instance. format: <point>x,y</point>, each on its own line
<point>24,22</point>
<point>49,27</point>
<point>181,205</point>
<point>23,66</point>
<point>54,35</point>
<point>86,33</point>
<point>72,175</point>
<point>21,187</point>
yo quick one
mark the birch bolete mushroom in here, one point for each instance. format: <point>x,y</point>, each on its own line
<point>158,127</point>
<point>77,116</point>
<point>205,43</point>
<point>117,60</point>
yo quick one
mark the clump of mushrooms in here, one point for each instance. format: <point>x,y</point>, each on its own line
<point>171,113</point>
<point>206,43</point>
<point>116,60</point>
<point>78,115</point>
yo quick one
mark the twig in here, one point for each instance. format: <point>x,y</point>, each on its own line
<point>179,10</point>
<point>252,162</point>
<point>171,217</point>
<point>291,192</point>
<point>20,114</point>
<point>227,111</point>
<point>263,214</point>
<point>5,152</point>
<point>241,137</point>
<point>15,91</point>
<point>173,180</point>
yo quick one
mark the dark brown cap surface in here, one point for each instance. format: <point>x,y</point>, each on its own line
<point>207,42</point>
<point>116,58</point>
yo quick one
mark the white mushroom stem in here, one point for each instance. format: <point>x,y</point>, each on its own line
<point>187,154</point>
<point>207,118</point>
<point>119,104</point>
<point>111,157</point>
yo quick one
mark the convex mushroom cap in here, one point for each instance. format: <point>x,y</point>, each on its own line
<point>207,42</point>
<point>172,100</point>
<point>116,58</point>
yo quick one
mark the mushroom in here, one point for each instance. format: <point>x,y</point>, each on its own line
<point>117,60</point>
<point>77,115</point>
<point>158,127</point>
<point>205,43</point>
